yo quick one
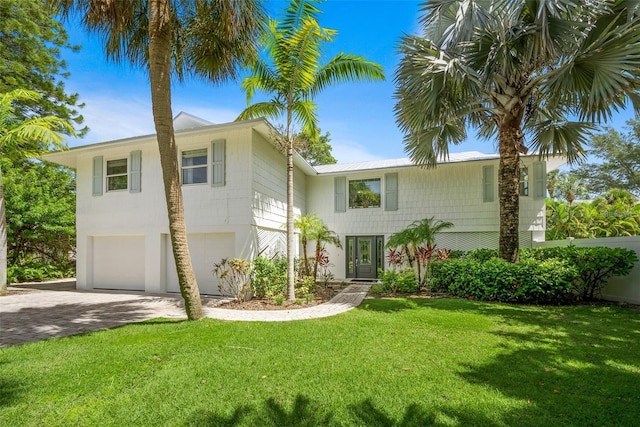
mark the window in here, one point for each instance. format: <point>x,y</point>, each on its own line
<point>117,175</point>
<point>364,193</point>
<point>194,166</point>
<point>487,183</point>
<point>524,181</point>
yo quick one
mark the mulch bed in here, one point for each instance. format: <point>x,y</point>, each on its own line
<point>321,295</point>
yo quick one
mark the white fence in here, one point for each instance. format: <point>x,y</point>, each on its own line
<point>624,289</point>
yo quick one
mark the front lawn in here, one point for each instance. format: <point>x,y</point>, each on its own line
<point>391,362</point>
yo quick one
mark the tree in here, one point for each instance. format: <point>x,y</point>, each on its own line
<point>40,208</point>
<point>307,225</point>
<point>315,151</point>
<point>519,70</point>
<point>411,239</point>
<point>322,236</point>
<point>292,75</point>
<point>20,138</point>
<point>210,39</point>
<point>617,161</point>
<point>30,44</point>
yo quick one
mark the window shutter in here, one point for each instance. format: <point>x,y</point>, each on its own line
<point>97,176</point>
<point>135,171</point>
<point>218,163</point>
<point>391,191</point>
<point>340,184</point>
<point>539,180</point>
<point>487,184</point>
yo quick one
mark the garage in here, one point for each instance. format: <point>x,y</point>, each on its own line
<point>118,262</point>
<point>205,249</point>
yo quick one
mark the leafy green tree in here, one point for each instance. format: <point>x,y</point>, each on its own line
<point>316,151</point>
<point>31,41</point>
<point>40,208</point>
<point>207,38</point>
<point>617,161</point>
<point>291,74</point>
<point>22,138</point>
<point>519,70</point>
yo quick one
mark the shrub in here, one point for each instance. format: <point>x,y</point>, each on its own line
<point>234,278</point>
<point>529,281</point>
<point>482,255</point>
<point>595,265</point>
<point>35,271</point>
<point>398,281</point>
<point>305,286</point>
<point>269,276</point>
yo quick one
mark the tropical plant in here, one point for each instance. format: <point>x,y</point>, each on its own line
<point>322,236</point>
<point>234,278</point>
<point>211,39</point>
<point>21,138</point>
<point>307,225</point>
<point>411,239</point>
<point>291,73</point>
<point>519,70</point>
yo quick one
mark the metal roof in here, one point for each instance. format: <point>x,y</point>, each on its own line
<point>400,163</point>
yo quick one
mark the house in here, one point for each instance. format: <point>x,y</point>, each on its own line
<point>234,188</point>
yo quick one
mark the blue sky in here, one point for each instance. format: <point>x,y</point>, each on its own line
<point>359,116</point>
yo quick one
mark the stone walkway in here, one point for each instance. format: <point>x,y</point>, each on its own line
<point>40,314</point>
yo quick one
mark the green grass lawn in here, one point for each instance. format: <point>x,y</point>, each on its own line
<point>391,362</point>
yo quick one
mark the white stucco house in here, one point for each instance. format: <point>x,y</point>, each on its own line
<point>234,187</point>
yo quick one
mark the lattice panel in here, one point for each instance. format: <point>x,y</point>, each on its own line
<point>476,240</point>
<point>271,242</point>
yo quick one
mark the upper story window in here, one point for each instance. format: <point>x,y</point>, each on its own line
<point>117,175</point>
<point>364,193</point>
<point>524,181</point>
<point>194,166</point>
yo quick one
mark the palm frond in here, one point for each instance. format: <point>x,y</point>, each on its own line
<point>304,112</point>
<point>269,109</point>
<point>344,68</point>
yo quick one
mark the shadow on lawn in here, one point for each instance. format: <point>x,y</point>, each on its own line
<point>308,413</point>
<point>38,323</point>
<point>572,365</point>
<point>392,305</point>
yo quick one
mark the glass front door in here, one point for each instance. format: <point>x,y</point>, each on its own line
<point>365,256</point>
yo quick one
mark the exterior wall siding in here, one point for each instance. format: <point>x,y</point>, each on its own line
<point>450,192</point>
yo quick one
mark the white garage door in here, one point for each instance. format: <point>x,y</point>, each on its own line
<point>118,262</point>
<point>205,249</point>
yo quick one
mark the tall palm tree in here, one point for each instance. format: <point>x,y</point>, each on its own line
<point>24,138</point>
<point>208,38</point>
<point>519,69</point>
<point>292,75</point>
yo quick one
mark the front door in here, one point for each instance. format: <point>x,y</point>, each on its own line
<point>364,256</point>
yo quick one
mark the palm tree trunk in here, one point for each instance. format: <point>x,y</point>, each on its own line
<point>159,73</point>
<point>3,240</point>
<point>307,268</point>
<point>290,236</point>
<point>509,190</point>
<point>315,261</point>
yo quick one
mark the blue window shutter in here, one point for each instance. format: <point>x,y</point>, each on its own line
<point>340,185</point>
<point>97,176</point>
<point>539,180</point>
<point>135,171</point>
<point>218,163</point>
<point>488,185</point>
<point>391,191</point>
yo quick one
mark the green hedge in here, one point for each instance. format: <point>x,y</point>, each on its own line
<point>543,275</point>
<point>529,281</point>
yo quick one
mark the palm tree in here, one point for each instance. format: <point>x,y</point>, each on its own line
<point>322,236</point>
<point>292,75</point>
<point>308,226</point>
<point>208,38</point>
<point>519,69</point>
<point>24,138</point>
<point>421,232</point>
